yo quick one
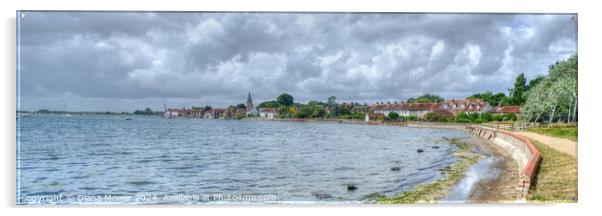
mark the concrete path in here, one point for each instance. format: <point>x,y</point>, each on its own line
<point>560,144</point>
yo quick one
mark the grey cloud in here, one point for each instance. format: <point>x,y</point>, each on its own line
<point>214,58</point>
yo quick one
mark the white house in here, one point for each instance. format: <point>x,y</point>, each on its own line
<point>268,113</point>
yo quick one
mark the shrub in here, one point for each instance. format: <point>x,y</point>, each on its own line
<point>411,118</point>
<point>486,117</point>
<point>393,115</point>
<point>432,116</point>
<point>510,117</point>
<point>497,117</point>
<point>357,115</point>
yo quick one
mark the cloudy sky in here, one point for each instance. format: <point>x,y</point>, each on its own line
<point>109,61</point>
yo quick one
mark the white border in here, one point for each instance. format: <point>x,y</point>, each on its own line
<point>589,81</point>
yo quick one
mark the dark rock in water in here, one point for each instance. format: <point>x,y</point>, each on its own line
<point>351,187</point>
<point>445,138</point>
<point>322,196</point>
<point>395,169</point>
<point>419,150</point>
<point>435,147</point>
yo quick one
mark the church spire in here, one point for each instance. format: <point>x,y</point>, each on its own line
<point>250,103</point>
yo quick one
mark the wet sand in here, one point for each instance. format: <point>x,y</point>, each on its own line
<point>491,180</point>
<point>500,182</point>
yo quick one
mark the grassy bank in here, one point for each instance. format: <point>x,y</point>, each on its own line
<point>556,177</point>
<point>562,132</point>
<point>436,190</point>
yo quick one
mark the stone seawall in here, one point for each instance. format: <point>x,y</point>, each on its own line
<point>521,149</point>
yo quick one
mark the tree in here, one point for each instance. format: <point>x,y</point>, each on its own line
<point>318,111</point>
<point>426,98</point>
<point>535,81</point>
<point>520,86</point>
<point>438,117</point>
<point>268,104</point>
<point>304,111</point>
<point>556,94</point>
<point>492,99</point>
<point>147,111</point>
<point>393,115</point>
<point>285,99</point>
<point>241,106</point>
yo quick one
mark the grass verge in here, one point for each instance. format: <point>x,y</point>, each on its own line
<point>563,132</point>
<point>429,192</point>
<point>556,179</point>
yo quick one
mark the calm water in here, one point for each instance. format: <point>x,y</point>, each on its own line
<point>82,158</point>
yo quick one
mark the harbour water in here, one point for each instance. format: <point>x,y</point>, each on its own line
<point>82,159</point>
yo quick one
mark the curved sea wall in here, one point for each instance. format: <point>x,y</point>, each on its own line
<point>518,147</point>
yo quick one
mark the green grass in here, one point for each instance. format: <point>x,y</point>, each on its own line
<point>563,132</point>
<point>432,191</point>
<point>556,179</point>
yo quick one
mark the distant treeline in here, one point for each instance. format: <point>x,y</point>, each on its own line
<point>147,111</point>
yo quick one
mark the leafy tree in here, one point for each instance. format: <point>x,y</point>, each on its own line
<point>318,111</point>
<point>393,115</point>
<point>497,117</point>
<point>535,81</point>
<point>486,116</point>
<point>268,104</point>
<point>305,111</point>
<point>426,98</point>
<point>342,110</point>
<point>147,111</point>
<point>283,112</point>
<point>520,86</point>
<point>285,99</point>
<point>556,94</point>
<point>509,117</point>
<point>241,106</point>
<point>357,115</point>
<point>411,118</point>
<point>463,117</point>
<point>492,99</point>
<point>433,116</point>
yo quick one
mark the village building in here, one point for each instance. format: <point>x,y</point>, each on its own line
<point>215,113</point>
<point>471,105</point>
<point>171,113</point>
<point>516,110</point>
<point>448,108</point>
<point>251,110</point>
<point>269,113</point>
<point>406,109</point>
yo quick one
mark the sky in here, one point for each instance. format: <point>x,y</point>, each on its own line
<point>122,61</point>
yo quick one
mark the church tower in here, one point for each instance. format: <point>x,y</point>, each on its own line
<point>249,104</point>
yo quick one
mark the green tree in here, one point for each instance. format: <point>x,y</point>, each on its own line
<point>268,104</point>
<point>535,81</point>
<point>492,99</point>
<point>241,106</point>
<point>426,98</point>
<point>486,116</point>
<point>285,99</point>
<point>393,115</point>
<point>305,111</point>
<point>556,94</point>
<point>357,115</point>
<point>318,111</point>
<point>520,86</point>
